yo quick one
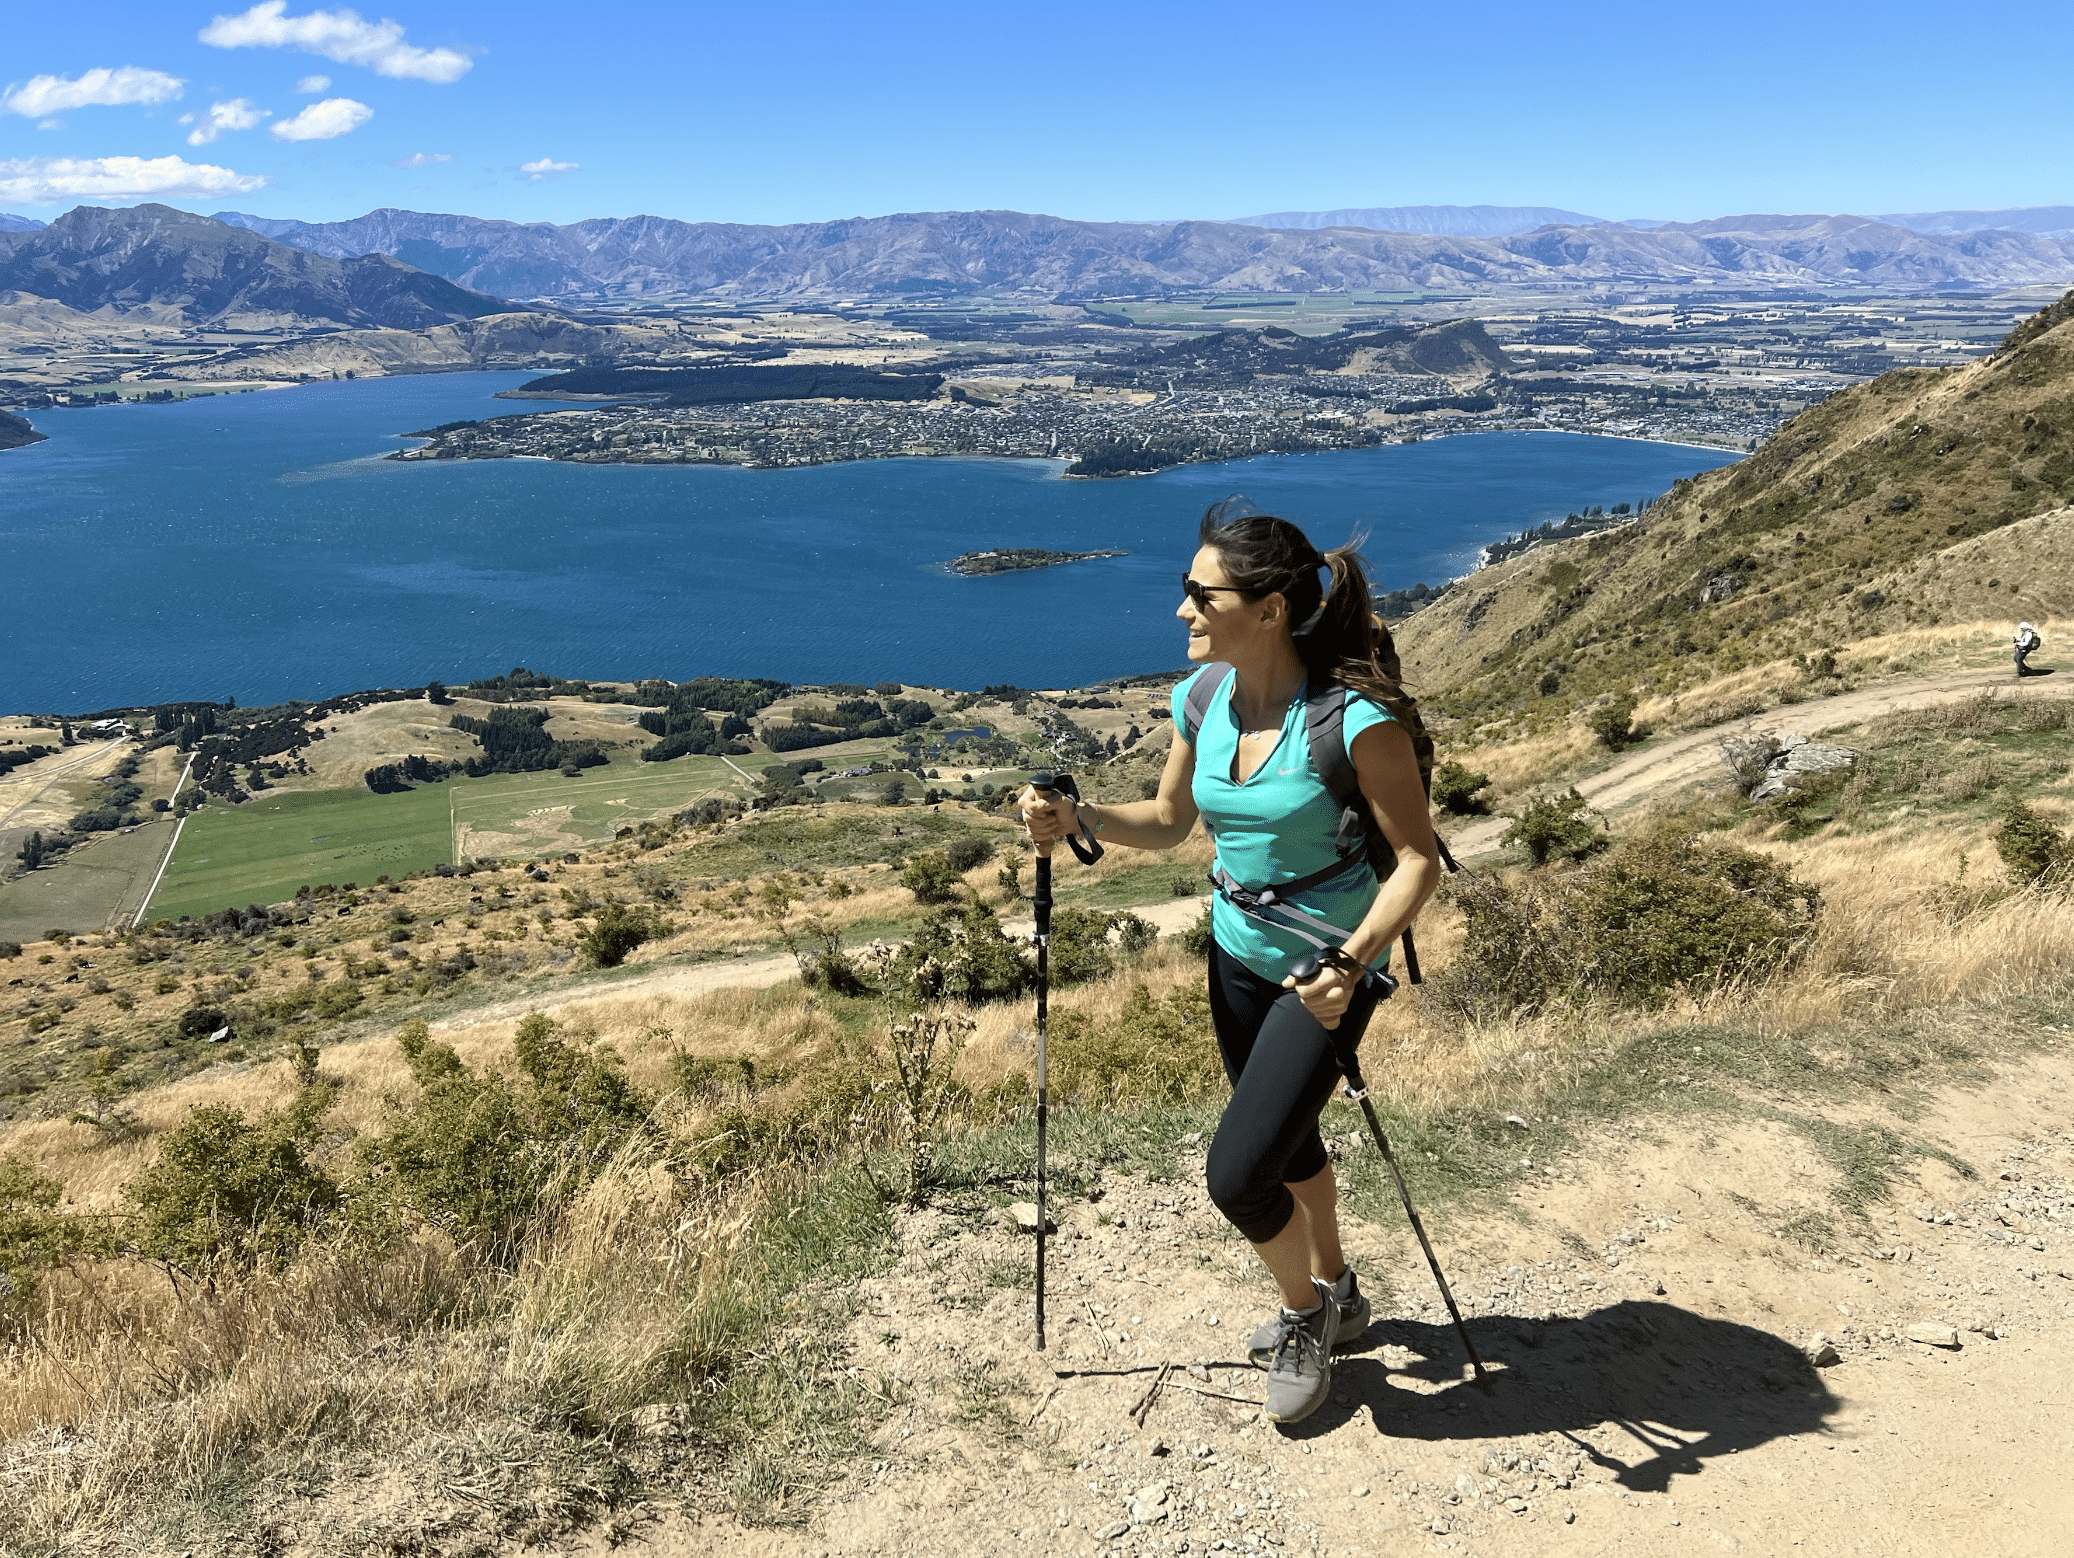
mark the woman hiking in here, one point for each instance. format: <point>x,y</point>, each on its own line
<point>1277,636</point>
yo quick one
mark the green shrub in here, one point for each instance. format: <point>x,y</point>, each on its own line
<point>616,930</point>
<point>1554,827</point>
<point>478,1154</point>
<point>1456,790</point>
<point>1199,938</point>
<point>1664,913</point>
<point>1151,1051</point>
<point>960,954</point>
<point>1613,723</point>
<point>2033,851</point>
<point>198,1022</point>
<point>1668,911</point>
<point>932,878</point>
<point>34,1235</point>
<point>709,1076</point>
<point>227,1191</point>
<point>967,854</point>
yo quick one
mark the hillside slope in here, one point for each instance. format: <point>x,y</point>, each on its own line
<point>1894,504</point>
<point>153,255</point>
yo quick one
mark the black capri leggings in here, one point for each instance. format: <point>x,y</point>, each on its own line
<point>1279,1059</point>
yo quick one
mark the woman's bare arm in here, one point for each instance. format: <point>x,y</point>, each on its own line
<point>1160,823</point>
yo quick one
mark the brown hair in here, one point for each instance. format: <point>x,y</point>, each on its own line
<point>1335,628</point>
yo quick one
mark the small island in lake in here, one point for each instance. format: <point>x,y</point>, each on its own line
<point>1014,559</point>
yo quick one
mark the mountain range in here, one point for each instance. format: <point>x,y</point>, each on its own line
<point>1457,221</point>
<point>215,273</point>
<point>411,270</point>
<point>948,253</point>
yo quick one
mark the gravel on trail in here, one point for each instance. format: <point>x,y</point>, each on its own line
<point>1670,1372</point>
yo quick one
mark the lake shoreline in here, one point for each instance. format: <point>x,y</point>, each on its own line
<point>260,545</point>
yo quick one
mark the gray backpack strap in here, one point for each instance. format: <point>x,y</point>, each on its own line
<point>1325,718</point>
<point>1200,691</point>
<point>1324,723</point>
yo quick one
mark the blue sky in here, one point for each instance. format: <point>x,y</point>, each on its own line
<point>810,111</point>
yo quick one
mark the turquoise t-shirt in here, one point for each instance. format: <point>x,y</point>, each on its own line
<point>1277,826</point>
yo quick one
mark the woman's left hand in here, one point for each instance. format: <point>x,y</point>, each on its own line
<point>1327,995</point>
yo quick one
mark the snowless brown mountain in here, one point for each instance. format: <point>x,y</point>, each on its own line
<point>950,252</point>
<point>216,273</point>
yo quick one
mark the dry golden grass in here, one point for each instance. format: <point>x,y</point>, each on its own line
<point>128,1386</point>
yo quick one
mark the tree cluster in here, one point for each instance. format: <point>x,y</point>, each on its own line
<point>393,778</point>
<point>515,741</point>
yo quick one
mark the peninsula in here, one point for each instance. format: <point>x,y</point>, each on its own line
<point>1020,559</point>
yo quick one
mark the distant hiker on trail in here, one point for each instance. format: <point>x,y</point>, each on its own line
<point>1283,651</point>
<point>2027,642</point>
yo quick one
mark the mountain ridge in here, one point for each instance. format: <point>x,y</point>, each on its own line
<point>952,253</point>
<point>153,255</point>
<point>1452,221</point>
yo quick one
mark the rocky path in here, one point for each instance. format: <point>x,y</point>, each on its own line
<point>1671,1375</point>
<point>1695,755</point>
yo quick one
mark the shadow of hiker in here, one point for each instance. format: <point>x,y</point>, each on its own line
<point>1684,1387</point>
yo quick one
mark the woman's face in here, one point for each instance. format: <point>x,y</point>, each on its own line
<point>1226,621</point>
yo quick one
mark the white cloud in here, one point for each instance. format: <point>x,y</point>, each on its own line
<point>422,159</point>
<point>240,113</point>
<point>102,88</point>
<point>325,121</point>
<point>49,181</point>
<point>345,36</point>
<point>310,86</point>
<point>546,168</point>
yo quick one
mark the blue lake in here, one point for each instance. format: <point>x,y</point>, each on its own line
<point>256,545</point>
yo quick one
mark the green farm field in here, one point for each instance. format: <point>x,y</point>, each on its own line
<point>262,851</point>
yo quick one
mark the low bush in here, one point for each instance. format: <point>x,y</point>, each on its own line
<point>968,854</point>
<point>478,1155</point>
<point>616,930</point>
<point>2033,851</point>
<point>34,1235</point>
<point>1457,791</point>
<point>228,1191</point>
<point>961,954</point>
<point>1613,723</point>
<point>933,878</point>
<point>1554,827</point>
<point>1665,913</point>
<point>1152,1051</point>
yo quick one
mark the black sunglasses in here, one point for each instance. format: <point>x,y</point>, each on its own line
<point>1201,593</point>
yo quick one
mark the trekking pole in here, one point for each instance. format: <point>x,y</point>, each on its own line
<point>1040,901</point>
<point>1303,972</point>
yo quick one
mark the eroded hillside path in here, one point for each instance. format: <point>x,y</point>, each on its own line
<point>1695,755</point>
<point>1648,1329</point>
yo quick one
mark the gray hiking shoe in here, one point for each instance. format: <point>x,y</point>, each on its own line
<point>1353,1324</point>
<point>1300,1374</point>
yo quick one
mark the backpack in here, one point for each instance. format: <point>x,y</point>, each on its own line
<point>1324,717</point>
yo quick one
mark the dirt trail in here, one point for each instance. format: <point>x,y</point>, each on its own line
<point>1170,915</point>
<point>1695,755</point>
<point>1649,1331</point>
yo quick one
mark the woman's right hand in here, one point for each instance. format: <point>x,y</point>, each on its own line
<point>1048,815</point>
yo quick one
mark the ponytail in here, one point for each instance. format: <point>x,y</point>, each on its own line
<point>1336,631</point>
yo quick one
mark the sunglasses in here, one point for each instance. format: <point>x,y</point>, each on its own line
<point>1200,593</point>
